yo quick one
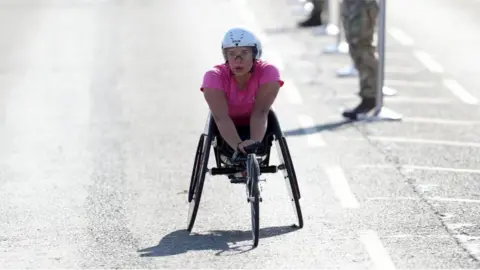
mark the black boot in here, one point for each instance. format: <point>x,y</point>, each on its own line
<point>363,108</point>
<point>315,16</point>
<point>312,21</point>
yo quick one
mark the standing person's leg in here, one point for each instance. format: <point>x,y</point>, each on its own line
<point>359,20</point>
<point>315,18</point>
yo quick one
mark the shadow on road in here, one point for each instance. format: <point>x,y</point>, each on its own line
<point>181,241</point>
<point>318,128</point>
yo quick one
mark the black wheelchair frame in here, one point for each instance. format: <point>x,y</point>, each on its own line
<point>211,137</point>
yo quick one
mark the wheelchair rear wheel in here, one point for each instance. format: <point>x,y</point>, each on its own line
<point>196,168</point>
<point>198,178</point>
<point>290,177</point>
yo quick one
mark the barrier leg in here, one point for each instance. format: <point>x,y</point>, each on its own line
<point>301,8</point>
<point>340,46</point>
<point>388,91</point>
<point>382,112</point>
<point>331,28</point>
<point>350,71</point>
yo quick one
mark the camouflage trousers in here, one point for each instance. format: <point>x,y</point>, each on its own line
<point>359,18</point>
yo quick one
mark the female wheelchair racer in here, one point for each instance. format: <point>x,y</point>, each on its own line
<point>240,93</point>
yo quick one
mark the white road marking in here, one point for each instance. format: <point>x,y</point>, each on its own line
<point>418,236</point>
<point>428,61</point>
<point>428,198</point>
<point>248,16</point>
<point>440,121</point>
<point>376,250</point>
<point>424,168</point>
<point>400,36</point>
<point>424,188</point>
<point>472,246</point>
<point>454,226</point>
<point>392,198</point>
<point>423,141</point>
<point>405,99</point>
<point>452,200</point>
<point>392,82</point>
<point>291,92</point>
<point>307,124</point>
<point>404,236</point>
<point>409,83</point>
<point>459,91</point>
<point>340,186</point>
<point>439,169</point>
<point>402,69</point>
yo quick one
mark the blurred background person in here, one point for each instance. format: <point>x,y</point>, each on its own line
<point>315,17</point>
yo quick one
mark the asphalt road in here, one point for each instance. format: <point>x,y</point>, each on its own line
<point>100,114</point>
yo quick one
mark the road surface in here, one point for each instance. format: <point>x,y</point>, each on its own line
<point>100,114</point>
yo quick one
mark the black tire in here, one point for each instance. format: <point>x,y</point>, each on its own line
<point>198,186</point>
<point>254,192</point>
<point>195,170</point>
<point>289,173</point>
<point>255,209</point>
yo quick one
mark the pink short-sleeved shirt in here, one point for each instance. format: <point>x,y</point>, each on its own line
<point>240,103</point>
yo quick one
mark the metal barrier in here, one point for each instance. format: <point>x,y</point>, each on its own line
<point>382,112</point>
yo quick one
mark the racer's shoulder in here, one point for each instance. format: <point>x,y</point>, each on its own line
<point>268,69</point>
<point>215,77</point>
<point>263,64</point>
<point>218,70</point>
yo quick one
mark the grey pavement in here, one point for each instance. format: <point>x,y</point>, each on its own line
<point>100,114</point>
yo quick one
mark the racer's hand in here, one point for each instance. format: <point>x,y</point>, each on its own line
<point>241,146</point>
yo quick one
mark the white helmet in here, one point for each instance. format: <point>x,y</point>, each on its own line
<point>239,37</point>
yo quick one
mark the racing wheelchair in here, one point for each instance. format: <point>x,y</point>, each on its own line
<point>255,163</point>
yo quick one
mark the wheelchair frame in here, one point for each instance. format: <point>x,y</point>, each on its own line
<point>210,137</point>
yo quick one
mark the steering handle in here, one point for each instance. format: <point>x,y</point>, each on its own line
<point>240,157</point>
<point>253,147</point>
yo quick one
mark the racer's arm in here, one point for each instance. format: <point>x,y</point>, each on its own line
<point>264,100</point>
<point>270,85</point>
<point>219,107</point>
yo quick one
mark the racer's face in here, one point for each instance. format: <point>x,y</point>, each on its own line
<point>240,60</point>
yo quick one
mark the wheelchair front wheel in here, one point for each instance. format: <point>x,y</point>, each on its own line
<point>253,193</point>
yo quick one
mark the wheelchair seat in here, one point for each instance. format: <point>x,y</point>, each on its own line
<point>224,152</point>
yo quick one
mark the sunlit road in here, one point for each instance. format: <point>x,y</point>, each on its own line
<point>100,114</point>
